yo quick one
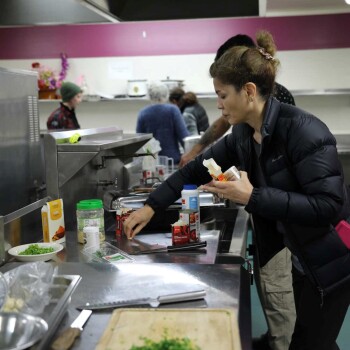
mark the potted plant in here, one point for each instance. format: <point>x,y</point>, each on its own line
<point>48,79</point>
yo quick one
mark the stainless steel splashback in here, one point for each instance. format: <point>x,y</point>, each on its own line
<point>22,170</point>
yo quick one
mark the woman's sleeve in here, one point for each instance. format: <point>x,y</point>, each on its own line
<point>193,173</point>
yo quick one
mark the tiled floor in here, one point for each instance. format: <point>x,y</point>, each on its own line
<point>259,324</point>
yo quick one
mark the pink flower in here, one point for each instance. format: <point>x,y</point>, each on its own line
<point>48,79</point>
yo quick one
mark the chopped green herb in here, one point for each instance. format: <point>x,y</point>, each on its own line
<point>167,344</point>
<point>34,249</point>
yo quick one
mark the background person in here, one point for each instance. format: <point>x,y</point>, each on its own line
<point>291,182</point>
<point>164,121</point>
<point>195,116</point>
<point>64,117</point>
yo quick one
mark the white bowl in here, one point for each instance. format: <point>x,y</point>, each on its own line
<point>39,257</point>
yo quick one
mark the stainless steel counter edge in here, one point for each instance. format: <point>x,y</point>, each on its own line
<point>238,247</point>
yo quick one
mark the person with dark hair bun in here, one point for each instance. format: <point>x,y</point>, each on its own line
<point>220,126</point>
<point>291,182</point>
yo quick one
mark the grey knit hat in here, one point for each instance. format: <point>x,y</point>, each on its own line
<point>69,90</point>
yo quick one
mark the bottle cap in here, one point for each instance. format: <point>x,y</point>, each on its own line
<point>90,204</point>
<point>190,187</point>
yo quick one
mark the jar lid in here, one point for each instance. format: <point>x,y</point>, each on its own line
<point>190,187</point>
<point>90,204</point>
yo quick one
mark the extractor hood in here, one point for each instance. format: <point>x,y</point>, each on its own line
<point>50,12</point>
<point>46,12</point>
<point>148,10</point>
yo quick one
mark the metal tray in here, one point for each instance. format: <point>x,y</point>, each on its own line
<point>61,291</point>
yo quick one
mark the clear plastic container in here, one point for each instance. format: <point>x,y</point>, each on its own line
<point>90,213</point>
<point>107,253</point>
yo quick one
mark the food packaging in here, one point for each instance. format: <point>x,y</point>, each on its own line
<point>180,233</point>
<point>214,169</point>
<point>52,217</point>
<point>216,173</point>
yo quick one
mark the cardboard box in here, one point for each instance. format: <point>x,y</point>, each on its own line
<point>52,217</point>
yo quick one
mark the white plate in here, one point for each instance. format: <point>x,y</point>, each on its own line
<point>40,257</point>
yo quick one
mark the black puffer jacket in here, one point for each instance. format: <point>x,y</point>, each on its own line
<point>305,193</point>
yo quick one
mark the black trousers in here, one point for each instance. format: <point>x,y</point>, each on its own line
<point>316,327</point>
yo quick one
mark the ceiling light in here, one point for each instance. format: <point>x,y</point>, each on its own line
<point>348,2</point>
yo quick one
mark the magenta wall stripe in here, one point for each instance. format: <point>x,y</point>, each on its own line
<point>170,37</point>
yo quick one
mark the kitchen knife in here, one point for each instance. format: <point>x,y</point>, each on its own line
<point>149,302</point>
<point>66,339</point>
<point>173,248</point>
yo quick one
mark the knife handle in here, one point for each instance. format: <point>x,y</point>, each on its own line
<point>66,339</point>
<point>179,297</point>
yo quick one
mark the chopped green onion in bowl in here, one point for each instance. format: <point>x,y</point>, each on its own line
<point>34,249</point>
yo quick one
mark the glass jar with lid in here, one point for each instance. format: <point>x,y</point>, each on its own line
<point>90,213</point>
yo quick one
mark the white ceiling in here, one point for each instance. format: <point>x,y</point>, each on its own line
<point>303,7</point>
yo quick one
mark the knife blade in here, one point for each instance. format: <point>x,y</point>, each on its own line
<point>66,339</point>
<point>173,248</point>
<point>150,302</point>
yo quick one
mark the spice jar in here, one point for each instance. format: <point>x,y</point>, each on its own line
<point>90,213</point>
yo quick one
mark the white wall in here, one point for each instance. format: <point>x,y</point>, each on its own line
<point>300,70</point>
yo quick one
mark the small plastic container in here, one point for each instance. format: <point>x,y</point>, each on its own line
<point>92,235</point>
<point>90,213</point>
<point>108,254</point>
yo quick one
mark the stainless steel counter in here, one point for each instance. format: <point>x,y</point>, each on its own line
<point>73,249</point>
<point>227,286</point>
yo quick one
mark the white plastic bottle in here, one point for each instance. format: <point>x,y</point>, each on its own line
<point>190,197</point>
<point>190,200</point>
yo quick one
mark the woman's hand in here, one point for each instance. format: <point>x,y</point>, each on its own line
<point>137,221</point>
<point>238,191</point>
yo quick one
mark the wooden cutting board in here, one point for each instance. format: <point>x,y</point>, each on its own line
<point>207,328</point>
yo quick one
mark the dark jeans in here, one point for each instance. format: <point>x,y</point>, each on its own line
<point>317,327</point>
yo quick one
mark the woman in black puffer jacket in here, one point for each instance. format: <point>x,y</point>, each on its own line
<point>291,182</point>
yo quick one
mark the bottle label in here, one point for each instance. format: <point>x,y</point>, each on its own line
<point>193,203</point>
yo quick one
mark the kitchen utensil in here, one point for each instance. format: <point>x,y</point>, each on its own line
<point>153,302</point>
<point>20,331</point>
<point>39,257</point>
<point>137,88</point>
<point>172,83</point>
<point>207,328</point>
<point>66,339</point>
<point>176,248</point>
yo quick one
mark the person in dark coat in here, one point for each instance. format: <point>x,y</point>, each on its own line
<point>291,181</point>
<point>220,126</point>
<point>64,117</point>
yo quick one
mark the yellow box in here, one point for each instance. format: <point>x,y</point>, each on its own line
<point>52,217</point>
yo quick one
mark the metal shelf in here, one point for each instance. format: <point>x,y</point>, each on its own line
<point>209,95</point>
<point>313,92</point>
